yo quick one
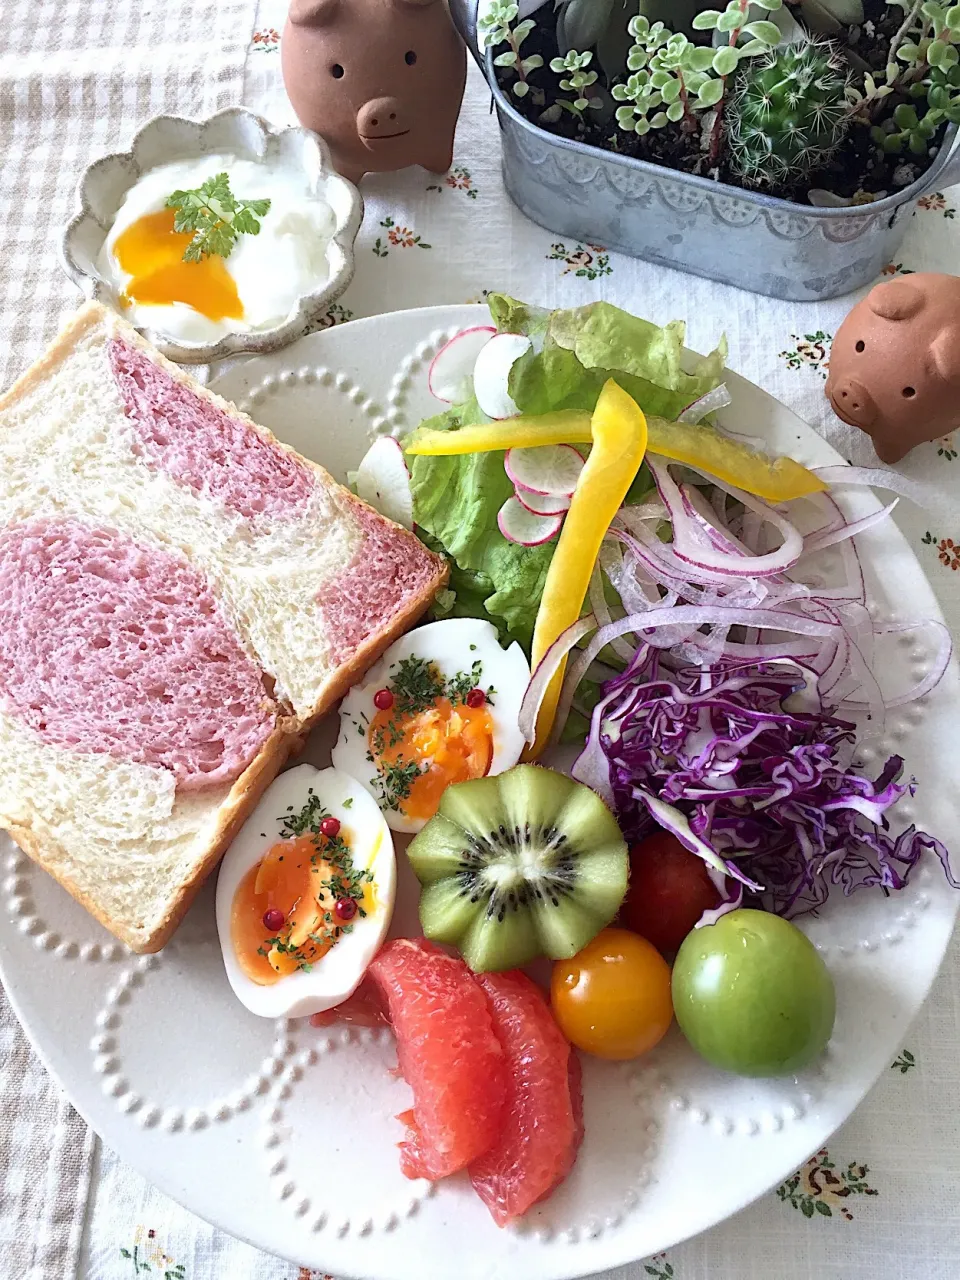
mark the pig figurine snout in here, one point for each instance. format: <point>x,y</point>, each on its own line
<point>852,402</point>
<point>381,118</point>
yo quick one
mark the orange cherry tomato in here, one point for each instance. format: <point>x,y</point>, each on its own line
<point>613,998</point>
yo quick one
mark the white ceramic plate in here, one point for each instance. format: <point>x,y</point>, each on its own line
<point>284,1135</point>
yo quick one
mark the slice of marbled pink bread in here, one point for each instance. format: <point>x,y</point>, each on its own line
<point>180,597</point>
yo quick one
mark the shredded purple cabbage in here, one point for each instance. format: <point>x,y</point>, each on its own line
<point>773,791</point>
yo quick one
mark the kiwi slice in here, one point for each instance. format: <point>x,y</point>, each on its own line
<point>524,864</point>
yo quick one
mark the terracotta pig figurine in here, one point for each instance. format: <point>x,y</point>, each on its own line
<point>895,364</point>
<point>380,80</point>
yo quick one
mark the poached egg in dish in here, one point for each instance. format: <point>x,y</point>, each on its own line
<point>440,706</point>
<point>255,287</point>
<point>305,894</point>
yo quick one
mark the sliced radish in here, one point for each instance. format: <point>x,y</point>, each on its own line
<point>491,373</point>
<point>517,524</point>
<point>543,504</point>
<point>384,481</point>
<point>451,371</point>
<point>546,469</point>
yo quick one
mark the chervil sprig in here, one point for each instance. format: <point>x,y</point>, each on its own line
<point>216,217</point>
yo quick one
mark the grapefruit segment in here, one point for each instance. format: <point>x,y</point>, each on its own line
<point>448,1054</point>
<point>543,1114</point>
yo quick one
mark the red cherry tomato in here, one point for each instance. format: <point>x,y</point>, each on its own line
<point>669,891</point>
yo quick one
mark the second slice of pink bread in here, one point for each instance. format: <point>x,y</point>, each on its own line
<point>181,597</point>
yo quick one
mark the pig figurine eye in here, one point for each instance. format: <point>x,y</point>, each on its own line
<point>410,57</point>
<point>861,345</point>
<point>908,393</point>
<point>337,71</point>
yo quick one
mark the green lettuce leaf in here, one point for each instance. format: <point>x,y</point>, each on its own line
<point>575,351</point>
<point>455,503</point>
<point>584,346</point>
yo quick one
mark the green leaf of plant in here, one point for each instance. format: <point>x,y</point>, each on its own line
<point>710,93</point>
<point>521,89</point>
<point>675,111</point>
<point>730,21</point>
<point>752,49</point>
<point>905,116</point>
<point>725,60</point>
<point>918,144</point>
<point>671,91</point>
<point>768,32</point>
<point>533,63</point>
<point>505,59</point>
<point>908,51</point>
<point>936,51</point>
<point>698,59</point>
<point>706,19</point>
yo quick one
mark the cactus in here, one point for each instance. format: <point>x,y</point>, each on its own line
<point>789,112</point>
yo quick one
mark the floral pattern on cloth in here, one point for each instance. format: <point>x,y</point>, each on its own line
<point>265,41</point>
<point>904,1063</point>
<point>812,351</point>
<point>936,202</point>
<point>589,261</point>
<point>948,551</point>
<point>145,1255</point>
<point>458,179</point>
<point>397,237</point>
<point>819,1187</point>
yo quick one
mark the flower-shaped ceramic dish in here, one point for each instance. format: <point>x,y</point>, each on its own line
<point>103,187</point>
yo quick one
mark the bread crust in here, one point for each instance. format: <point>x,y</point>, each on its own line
<point>287,738</point>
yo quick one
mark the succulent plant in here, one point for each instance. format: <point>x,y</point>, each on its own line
<point>495,28</point>
<point>577,79</point>
<point>789,112</point>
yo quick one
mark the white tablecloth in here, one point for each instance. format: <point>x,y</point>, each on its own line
<point>882,1201</point>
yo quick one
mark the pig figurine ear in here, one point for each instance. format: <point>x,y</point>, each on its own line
<point>898,300</point>
<point>313,13</point>
<point>945,351</point>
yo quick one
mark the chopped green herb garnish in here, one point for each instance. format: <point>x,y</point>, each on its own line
<point>216,217</point>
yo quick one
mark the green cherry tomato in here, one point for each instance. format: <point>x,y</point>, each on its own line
<point>752,995</point>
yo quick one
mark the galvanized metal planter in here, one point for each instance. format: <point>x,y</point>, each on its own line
<point>711,229</point>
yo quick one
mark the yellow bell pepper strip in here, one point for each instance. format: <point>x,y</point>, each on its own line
<point>697,445</point>
<point>619,437</point>
<point>566,426</point>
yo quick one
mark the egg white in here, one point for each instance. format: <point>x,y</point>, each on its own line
<point>338,973</point>
<point>453,645</point>
<point>271,270</point>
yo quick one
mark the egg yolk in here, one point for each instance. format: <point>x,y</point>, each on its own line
<point>448,743</point>
<point>294,879</point>
<point>151,252</point>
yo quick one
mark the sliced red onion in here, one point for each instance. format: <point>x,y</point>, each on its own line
<point>546,669</point>
<point>602,614</point>
<point>690,548</point>
<point>876,478</point>
<point>827,538</point>
<point>716,399</point>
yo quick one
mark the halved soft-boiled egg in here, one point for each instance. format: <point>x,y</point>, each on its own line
<point>305,894</point>
<point>441,706</point>
<point>259,281</point>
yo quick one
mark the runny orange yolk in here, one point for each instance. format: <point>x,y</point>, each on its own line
<point>287,880</point>
<point>456,743</point>
<point>151,252</point>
